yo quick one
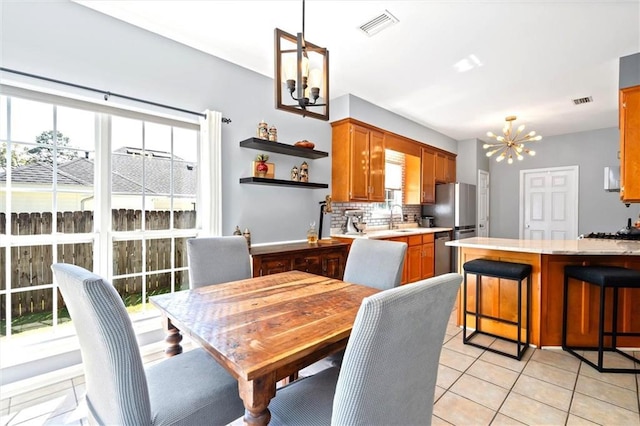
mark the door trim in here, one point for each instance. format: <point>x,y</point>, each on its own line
<point>576,188</point>
<point>488,201</point>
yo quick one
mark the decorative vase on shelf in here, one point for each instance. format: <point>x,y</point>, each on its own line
<point>263,130</point>
<point>261,166</point>
<point>304,172</point>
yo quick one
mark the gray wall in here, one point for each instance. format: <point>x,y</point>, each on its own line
<point>470,159</point>
<point>355,107</point>
<point>630,71</point>
<point>599,211</point>
<point>69,42</point>
<point>66,41</point>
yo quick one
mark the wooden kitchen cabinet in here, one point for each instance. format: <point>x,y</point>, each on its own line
<point>414,258</point>
<point>405,266</point>
<point>309,263</point>
<point>445,168</point>
<point>441,165</point>
<point>450,174</point>
<point>630,144</point>
<point>358,162</point>
<point>327,258</point>
<point>428,193</point>
<point>428,257</point>
<point>419,259</point>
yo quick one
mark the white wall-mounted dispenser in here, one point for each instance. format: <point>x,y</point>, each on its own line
<point>612,179</point>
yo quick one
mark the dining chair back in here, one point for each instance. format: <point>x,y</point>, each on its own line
<point>375,263</point>
<point>390,366</point>
<point>190,388</point>
<point>215,260</point>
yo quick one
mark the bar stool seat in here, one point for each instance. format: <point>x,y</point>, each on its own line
<point>604,277</point>
<point>505,270</point>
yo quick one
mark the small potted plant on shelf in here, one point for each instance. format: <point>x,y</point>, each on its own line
<point>261,166</point>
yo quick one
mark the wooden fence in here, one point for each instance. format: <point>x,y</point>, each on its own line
<point>31,265</point>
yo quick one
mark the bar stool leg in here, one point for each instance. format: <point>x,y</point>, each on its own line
<point>528,307</point>
<point>464,309</point>
<point>478,296</point>
<point>601,329</point>
<point>519,333</point>
<point>565,306</point>
<point>614,320</point>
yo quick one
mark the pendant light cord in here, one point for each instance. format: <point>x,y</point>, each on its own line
<point>302,18</point>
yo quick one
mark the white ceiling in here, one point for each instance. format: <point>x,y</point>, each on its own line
<point>536,56</point>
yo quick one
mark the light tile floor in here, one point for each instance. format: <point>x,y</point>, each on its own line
<point>474,387</point>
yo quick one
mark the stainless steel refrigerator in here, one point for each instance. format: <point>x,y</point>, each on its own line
<point>455,207</point>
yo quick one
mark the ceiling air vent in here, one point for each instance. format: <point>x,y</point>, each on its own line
<point>379,23</point>
<point>580,101</point>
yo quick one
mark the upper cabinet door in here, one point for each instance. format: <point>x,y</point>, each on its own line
<point>451,169</point>
<point>359,188</point>
<point>428,177</point>
<point>376,166</point>
<point>630,144</point>
<point>441,167</point>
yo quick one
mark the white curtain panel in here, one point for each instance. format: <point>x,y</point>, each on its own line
<point>210,174</point>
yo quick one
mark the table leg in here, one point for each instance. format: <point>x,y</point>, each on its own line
<point>256,395</point>
<point>173,338</point>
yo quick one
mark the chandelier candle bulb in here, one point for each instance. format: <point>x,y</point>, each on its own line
<point>511,144</point>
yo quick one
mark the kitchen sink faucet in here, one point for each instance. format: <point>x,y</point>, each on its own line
<point>391,225</point>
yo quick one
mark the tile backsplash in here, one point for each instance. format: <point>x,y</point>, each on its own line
<point>372,219</point>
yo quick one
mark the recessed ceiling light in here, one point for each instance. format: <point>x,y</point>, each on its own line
<point>378,23</point>
<point>467,63</point>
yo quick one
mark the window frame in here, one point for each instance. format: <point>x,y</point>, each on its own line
<point>103,236</point>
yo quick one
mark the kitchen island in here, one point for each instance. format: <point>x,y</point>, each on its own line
<point>548,259</point>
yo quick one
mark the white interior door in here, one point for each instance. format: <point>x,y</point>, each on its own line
<point>549,203</point>
<point>483,203</point>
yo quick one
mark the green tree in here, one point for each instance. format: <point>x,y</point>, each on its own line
<point>44,152</point>
<point>19,157</point>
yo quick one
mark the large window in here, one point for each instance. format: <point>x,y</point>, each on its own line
<point>111,191</point>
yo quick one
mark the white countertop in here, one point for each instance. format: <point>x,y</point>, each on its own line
<point>377,233</point>
<point>587,246</point>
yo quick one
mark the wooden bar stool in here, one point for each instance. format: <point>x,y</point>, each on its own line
<point>604,277</point>
<point>504,270</point>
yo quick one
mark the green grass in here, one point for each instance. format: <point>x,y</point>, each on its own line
<point>35,320</point>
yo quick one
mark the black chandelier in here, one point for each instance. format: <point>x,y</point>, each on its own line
<point>302,70</point>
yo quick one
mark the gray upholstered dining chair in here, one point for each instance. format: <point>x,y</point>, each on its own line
<point>375,263</point>
<point>215,260</point>
<point>187,389</point>
<point>390,366</point>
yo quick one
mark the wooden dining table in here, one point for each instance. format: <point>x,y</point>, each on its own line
<point>264,329</point>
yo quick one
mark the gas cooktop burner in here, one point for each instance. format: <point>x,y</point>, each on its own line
<point>610,236</point>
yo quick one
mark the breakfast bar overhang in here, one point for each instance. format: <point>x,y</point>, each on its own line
<point>548,259</point>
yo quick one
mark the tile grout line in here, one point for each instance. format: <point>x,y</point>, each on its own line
<point>573,394</point>
<point>511,389</point>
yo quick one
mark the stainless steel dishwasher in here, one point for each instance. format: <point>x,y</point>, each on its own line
<point>442,253</point>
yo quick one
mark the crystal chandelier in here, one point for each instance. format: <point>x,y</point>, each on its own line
<point>511,144</point>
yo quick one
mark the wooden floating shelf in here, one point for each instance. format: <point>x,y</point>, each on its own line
<point>282,148</point>
<point>281,182</point>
